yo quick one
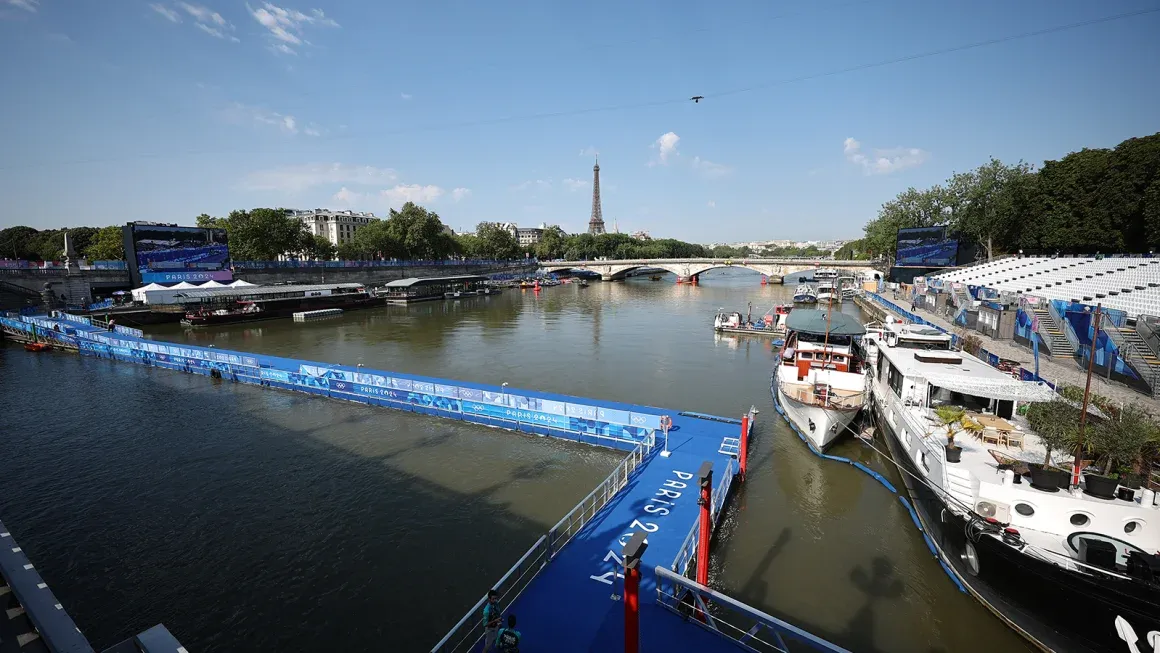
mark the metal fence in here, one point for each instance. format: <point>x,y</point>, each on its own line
<point>265,265</point>
<point>748,627</point>
<point>468,631</point>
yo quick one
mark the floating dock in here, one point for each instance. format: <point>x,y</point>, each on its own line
<point>320,314</point>
<point>767,333</point>
<point>569,590</point>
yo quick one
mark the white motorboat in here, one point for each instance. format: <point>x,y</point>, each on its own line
<point>827,293</point>
<point>805,294</point>
<point>819,379</point>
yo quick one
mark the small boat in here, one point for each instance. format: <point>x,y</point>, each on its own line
<point>453,294</point>
<point>819,379</point>
<point>655,277</point>
<point>826,273</point>
<point>827,293</point>
<point>772,324</point>
<point>805,294</point>
<point>849,287</point>
<point>37,346</point>
<point>583,284</point>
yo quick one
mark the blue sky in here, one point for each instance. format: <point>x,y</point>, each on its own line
<point>128,110</point>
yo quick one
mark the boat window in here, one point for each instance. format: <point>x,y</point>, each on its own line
<point>805,355</point>
<point>1133,527</point>
<point>1080,519</point>
<point>895,381</point>
<point>881,366</point>
<point>1024,509</point>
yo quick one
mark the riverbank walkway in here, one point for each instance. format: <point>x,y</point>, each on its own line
<point>1057,370</point>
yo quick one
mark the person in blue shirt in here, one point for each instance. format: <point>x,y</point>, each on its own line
<point>507,639</point>
<point>492,620</point>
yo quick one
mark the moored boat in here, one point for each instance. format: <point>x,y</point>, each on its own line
<point>805,294</point>
<point>216,307</point>
<point>819,379</point>
<point>1070,568</point>
<point>37,346</point>
<point>827,293</point>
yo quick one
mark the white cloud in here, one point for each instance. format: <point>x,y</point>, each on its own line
<point>170,15</point>
<point>710,169</point>
<point>711,204</point>
<point>589,152</point>
<point>388,197</point>
<point>666,147</point>
<point>239,113</point>
<point>883,161</point>
<point>575,184</point>
<point>460,193</point>
<point>288,25</point>
<point>27,5</point>
<point>297,178</point>
<point>406,96</point>
<point>538,184</point>
<point>283,48</point>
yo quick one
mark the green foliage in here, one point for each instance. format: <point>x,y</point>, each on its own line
<point>1094,200</point>
<point>1057,425</point>
<point>951,418</point>
<point>1119,442</point>
<point>855,250</point>
<point>493,241</point>
<point>317,247</point>
<point>263,234</point>
<point>106,245</point>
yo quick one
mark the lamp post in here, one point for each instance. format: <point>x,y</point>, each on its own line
<point>504,386</point>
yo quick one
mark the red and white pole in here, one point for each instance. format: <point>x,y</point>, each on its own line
<point>633,552</point>
<point>705,480</point>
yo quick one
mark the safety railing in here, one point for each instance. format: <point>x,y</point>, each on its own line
<point>571,523</point>
<point>688,551</point>
<point>823,395</point>
<point>262,265</point>
<point>468,631</point>
<point>747,626</point>
<point>1064,324</point>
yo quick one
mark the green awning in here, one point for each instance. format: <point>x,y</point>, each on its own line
<point>814,321</point>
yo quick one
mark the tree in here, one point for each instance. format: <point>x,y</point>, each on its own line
<point>1057,425</point>
<point>317,247</point>
<point>911,208</point>
<point>210,222</point>
<point>16,242</point>
<point>263,234</point>
<point>106,246</point>
<point>496,242</point>
<point>981,209</point>
<point>420,233</point>
<point>552,244</point>
<point>82,237</point>
<point>1119,441</point>
<point>377,240</point>
<point>349,251</point>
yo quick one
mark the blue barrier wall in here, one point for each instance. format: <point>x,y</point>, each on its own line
<point>609,424</point>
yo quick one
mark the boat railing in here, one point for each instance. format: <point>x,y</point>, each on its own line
<point>745,625</point>
<point>470,629</point>
<point>824,395</point>
<point>688,551</point>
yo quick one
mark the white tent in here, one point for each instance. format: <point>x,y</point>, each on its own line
<point>184,285</point>
<point>241,284</point>
<point>139,293</point>
<point>212,284</point>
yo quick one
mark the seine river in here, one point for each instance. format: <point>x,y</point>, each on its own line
<point>248,519</point>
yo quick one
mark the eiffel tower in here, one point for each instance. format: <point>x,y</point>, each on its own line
<point>596,222</point>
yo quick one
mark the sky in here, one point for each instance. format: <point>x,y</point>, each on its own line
<point>815,112</point>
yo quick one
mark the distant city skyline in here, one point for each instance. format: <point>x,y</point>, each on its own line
<point>811,118</point>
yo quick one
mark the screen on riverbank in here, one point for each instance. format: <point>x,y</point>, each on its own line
<point>926,247</point>
<point>170,254</point>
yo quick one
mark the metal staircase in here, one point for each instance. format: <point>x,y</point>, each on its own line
<point>1051,331</point>
<point>1136,352</point>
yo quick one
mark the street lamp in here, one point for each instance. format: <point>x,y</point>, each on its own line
<point>504,386</point>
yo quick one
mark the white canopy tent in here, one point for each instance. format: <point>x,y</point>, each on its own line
<point>139,293</point>
<point>994,388</point>
<point>212,284</point>
<point>184,285</point>
<point>241,283</point>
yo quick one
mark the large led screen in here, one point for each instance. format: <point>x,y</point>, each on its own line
<point>926,247</point>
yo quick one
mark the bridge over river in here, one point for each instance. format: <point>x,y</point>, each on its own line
<point>688,269</point>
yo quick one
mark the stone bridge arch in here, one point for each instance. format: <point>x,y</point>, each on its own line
<point>690,269</point>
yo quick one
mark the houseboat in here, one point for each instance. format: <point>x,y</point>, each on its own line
<point>825,273</point>
<point>1069,567</point>
<point>211,307</point>
<point>827,293</point>
<point>771,324</point>
<point>819,379</point>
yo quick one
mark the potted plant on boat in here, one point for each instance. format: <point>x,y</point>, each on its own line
<point>951,418</point>
<point>1056,424</point>
<point>1118,440</point>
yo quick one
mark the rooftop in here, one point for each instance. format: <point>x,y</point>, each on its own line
<point>257,291</point>
<point>430,281</point>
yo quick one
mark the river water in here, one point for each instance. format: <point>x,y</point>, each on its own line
<point>251,519</point>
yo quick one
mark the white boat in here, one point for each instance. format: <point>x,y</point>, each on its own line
<point>819,379</point>
<point>1067,570</point>
<point>805,294</point>
<point>825,273</point>
<point>848,286</point>
<point>827,293</point>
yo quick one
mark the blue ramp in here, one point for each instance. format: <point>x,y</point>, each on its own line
<point>575,604</point>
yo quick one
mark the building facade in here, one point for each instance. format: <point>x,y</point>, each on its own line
<point>338,227</point>
<point>529,235</point>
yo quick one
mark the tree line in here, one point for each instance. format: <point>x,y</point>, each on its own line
<point>91,243</point>
<point>1094,200</point>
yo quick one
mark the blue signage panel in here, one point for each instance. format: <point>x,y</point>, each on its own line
<point>581,411</point>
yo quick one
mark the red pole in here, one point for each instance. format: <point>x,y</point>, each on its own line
<point>743,454</point>
<point>705,479</point>
<point>633,551</point>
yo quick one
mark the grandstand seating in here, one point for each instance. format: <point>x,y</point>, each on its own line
<point>1129,284</point>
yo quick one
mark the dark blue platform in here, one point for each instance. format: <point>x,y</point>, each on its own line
<point>566,609</point>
